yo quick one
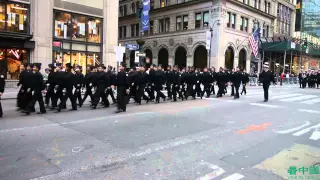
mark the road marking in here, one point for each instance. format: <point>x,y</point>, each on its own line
<point>76,122</point>
<point>309,111</point>
<point>217,171</point>
<point>254,128</point>
<point>293,129</point>
<point>299,98</point>
<point>264,105</point>
<point>234,176</point>
<point>126,157</point>
<point>312,101</point>
<point>306,130</point>
<point>286,96</point>
<point>315,135</point>
<point>77,149</point>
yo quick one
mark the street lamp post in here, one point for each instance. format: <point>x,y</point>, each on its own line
<point>211,33</point>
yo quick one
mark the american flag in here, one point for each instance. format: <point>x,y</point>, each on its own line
<point>296,40</point>
<point>254,42</point>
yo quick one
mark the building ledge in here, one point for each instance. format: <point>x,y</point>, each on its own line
<point>14,35</point>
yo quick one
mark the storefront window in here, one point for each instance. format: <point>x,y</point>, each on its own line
<point>2,17</point>
<point>78,58</point>
<point>62,25</point>
<point>17,15</point>
<point>79,28</point>
<point>61,57</point>
<point>93,59</point>
<point>94,30</point>
<point>15,57</point>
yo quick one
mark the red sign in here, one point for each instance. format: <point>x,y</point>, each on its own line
<point>56,44</point>
<point>313,63</point>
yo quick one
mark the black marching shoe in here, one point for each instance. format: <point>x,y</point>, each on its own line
<point>41,112</point>
<point>265,101</point>
<point>119,111</point>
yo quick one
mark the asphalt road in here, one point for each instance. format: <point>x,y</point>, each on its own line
<point>195,139</point>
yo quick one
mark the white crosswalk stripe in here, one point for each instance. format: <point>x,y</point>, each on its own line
<point>312,101</point>
<point>304,97</point>
<point>285,96</point>
<point>235,176</point>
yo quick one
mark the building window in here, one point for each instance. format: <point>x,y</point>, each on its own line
<point>178,24</point>
<point>163,3</point>
<point>133,8</point>
<point>255,3</point>
<point>120,32</point>
<point>62,25</point>
<point>79,28</point>
<point>94,30</point>
<point>13,58</point>
<point>2,17</point>
<point>198,20</point>
<point>245,1</point>
<point>244,24</point>
<point>185,22</point>
<point>133,30</point>
<point>259,4</point>
<point>121,11</point>
<point>233,21</point>
<point>206,19</point>
<point>164,25</point>
<point>83,31</point>
<point>268,8</point>
<point>137,30</point>
<point>124,10</point>
<point>16,17</point>
<point>284,19</point>
<point>229,19</point>
<point>151,4</point>
<point>266,31</point>
<point>151,28</point>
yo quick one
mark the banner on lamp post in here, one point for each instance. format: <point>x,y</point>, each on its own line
<point>208,40</point>
<point>145,24</point>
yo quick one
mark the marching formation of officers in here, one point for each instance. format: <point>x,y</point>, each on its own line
<point>310,78</point>
<point>67,83</point>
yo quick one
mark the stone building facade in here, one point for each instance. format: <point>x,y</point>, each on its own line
<point>179,30</point>
<point>57,31</point>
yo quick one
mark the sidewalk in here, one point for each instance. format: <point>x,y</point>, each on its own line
<point>11,93</point>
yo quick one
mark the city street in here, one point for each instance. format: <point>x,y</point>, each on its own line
<point>195,139</point>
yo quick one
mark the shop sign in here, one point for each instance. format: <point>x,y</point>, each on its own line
<point>15,53</point>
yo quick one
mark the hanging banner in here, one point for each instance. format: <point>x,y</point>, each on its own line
<point>145,26</point>
<point>208,40</point>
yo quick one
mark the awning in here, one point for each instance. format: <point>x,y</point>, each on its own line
<point>286,46</point>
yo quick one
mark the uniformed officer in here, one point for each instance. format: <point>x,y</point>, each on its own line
<point>122,89</point>
<point>266,77</point>
<point>37,88</point>
<point>2,85</point>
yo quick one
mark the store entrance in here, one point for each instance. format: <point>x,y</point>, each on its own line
<point>11,59</point>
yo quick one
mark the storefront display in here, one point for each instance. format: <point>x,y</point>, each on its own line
<point>14,17</point>
<point>77,27</point>
<point>13,58</point>
<point>77,39</point>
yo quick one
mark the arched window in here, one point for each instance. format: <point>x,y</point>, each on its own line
<point>133,8</point>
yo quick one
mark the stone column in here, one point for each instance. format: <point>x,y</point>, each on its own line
<point>191,20</point>
<point>235,60</point>
<point>190,60</point>
<point>41,17</point>
<point>155,60</point>
<point>248,64</point>
<point>171,60</point>
<point>110,29</point>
